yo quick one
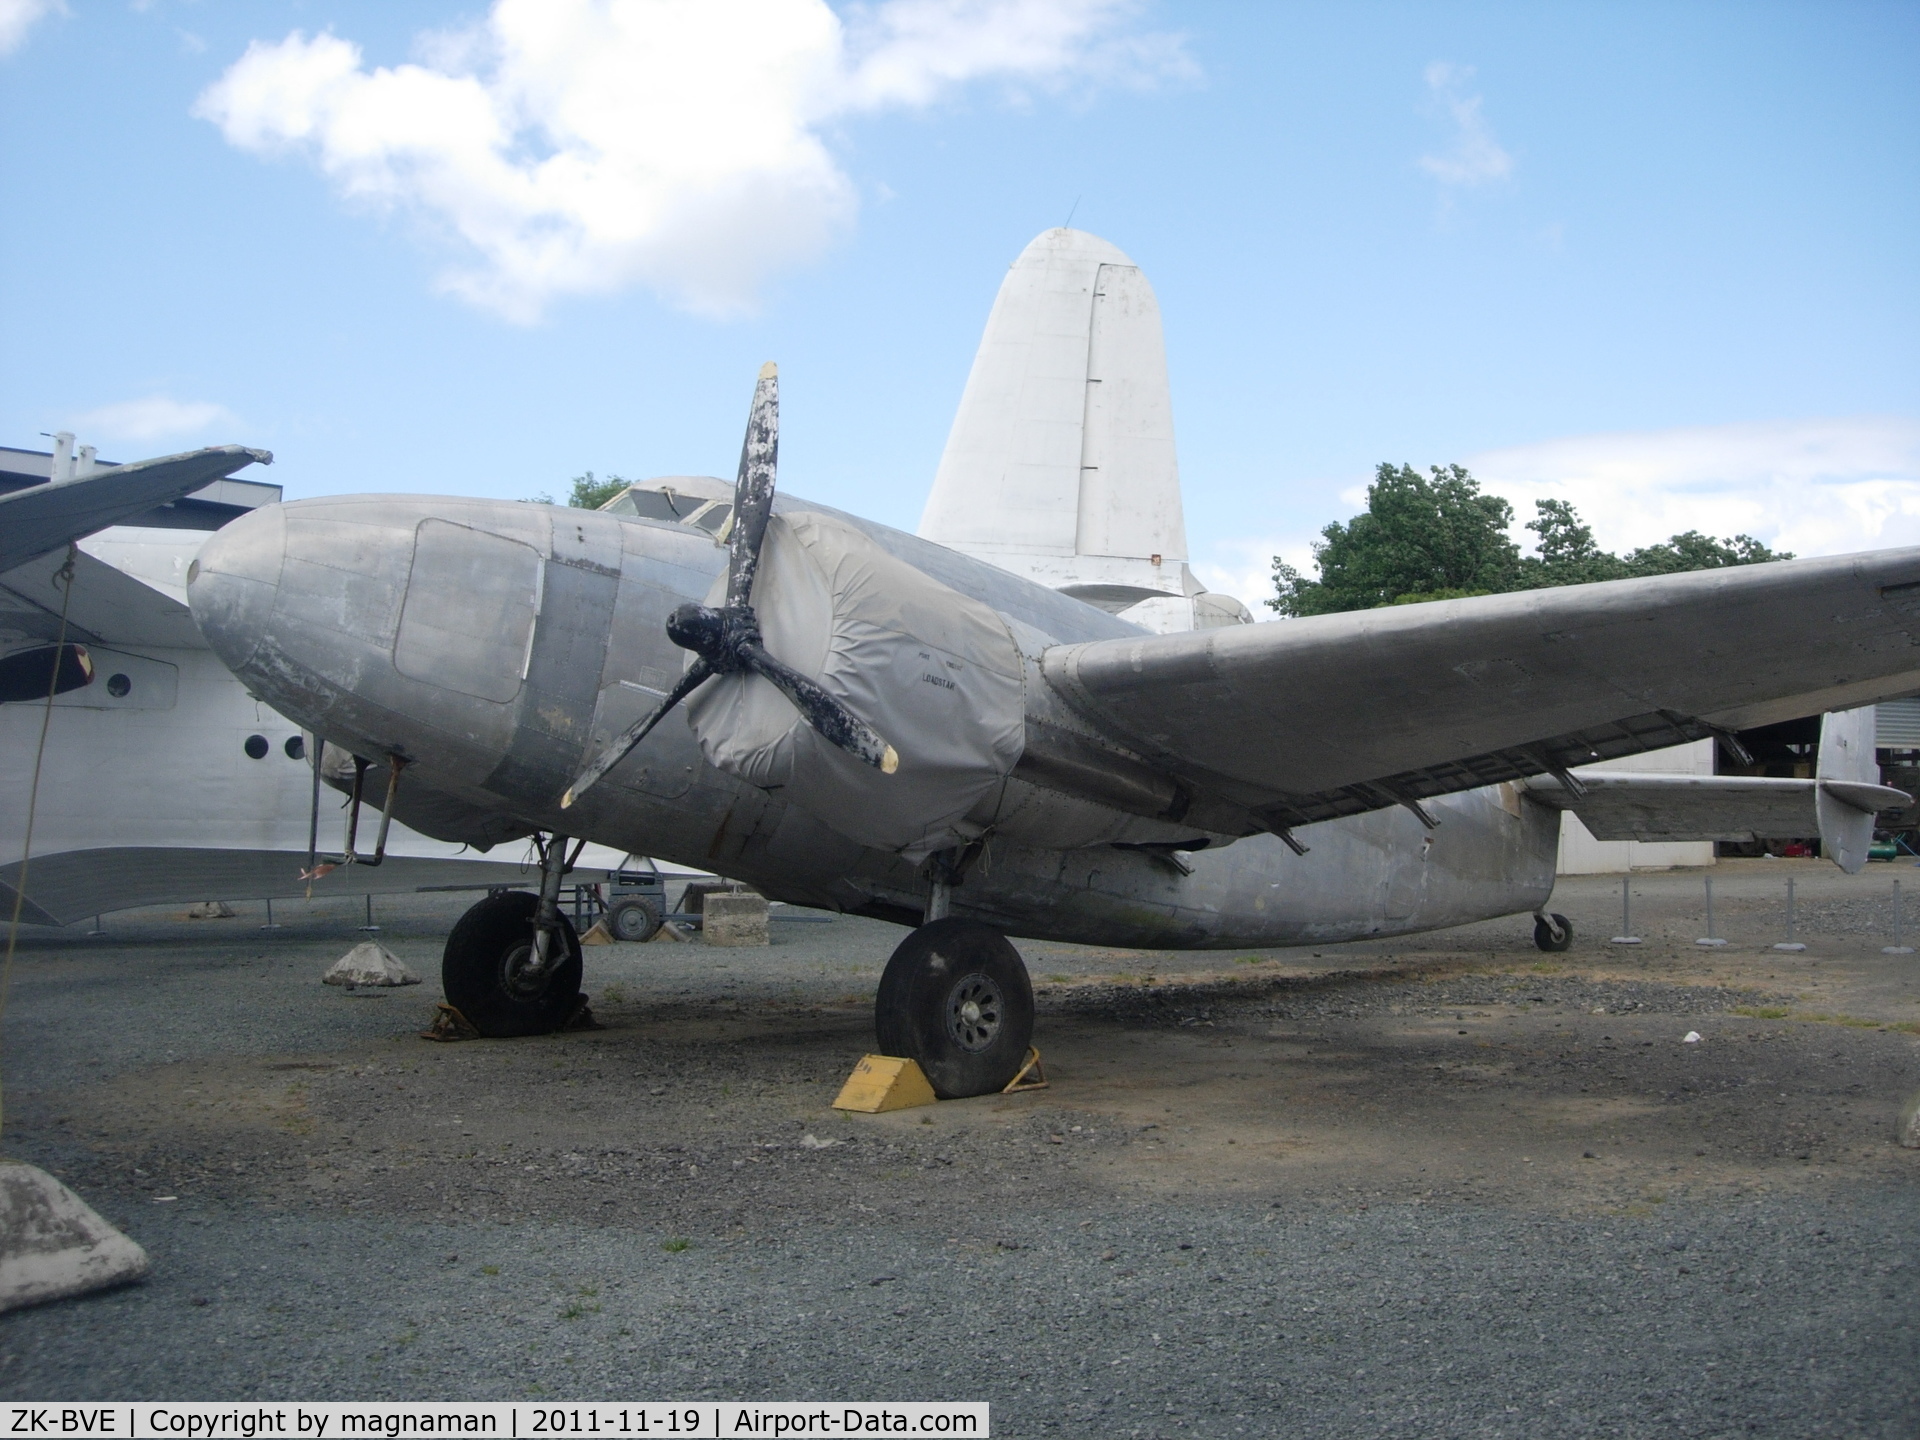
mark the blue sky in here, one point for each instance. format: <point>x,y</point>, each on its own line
<point>1658,259</point>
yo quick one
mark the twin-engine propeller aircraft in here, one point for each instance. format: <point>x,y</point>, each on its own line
<point>874,723</point>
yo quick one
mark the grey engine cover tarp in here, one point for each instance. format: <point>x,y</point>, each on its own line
<point>1304,707</point>
<point>935,672</point>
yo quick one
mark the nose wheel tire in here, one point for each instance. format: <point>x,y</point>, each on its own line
<point>956,998</point>
<point>1552,933</point>
<point>486,969</point>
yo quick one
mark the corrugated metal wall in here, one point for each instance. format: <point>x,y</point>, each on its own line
<point>1897,723</point>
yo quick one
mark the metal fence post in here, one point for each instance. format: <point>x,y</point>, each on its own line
<point>1626,935</point>
<point>1709,938</point>
<point>1898,947</point>
<point>1789,943</point>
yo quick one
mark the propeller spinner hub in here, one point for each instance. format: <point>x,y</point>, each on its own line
<point>699,629</point>
<point>718,637</point>
<point>728,639</point>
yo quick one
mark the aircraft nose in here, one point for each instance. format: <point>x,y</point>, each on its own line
<point>234,581</point>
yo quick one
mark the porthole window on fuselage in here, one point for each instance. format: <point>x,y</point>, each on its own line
<point>256,747</point>
<point>296,747</point>
<point>119,686</point>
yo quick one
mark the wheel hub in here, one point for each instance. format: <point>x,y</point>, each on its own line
<point>975,1010</point>
<point>521,974</point>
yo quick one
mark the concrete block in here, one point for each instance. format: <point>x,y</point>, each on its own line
<point>369,963</point>
<point>53,1244</point>
<point>734,918</point>
<point>1909,1131</point>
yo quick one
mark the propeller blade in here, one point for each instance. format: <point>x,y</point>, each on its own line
<point>753,488</point>
<point>635,733</point>
<point>826,714</point>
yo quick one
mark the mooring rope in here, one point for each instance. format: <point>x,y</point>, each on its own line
<point>64,578</point>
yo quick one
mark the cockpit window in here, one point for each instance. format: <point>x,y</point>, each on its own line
<point>714,518</point>
<point>653,504</point>
<point>673,506</point>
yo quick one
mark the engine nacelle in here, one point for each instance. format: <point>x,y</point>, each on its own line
<point>935,672</point>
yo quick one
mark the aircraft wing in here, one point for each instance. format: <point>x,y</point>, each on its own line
<point>1305,720</point>
<point>43,518</point>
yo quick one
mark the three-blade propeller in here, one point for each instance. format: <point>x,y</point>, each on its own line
<point>727,641</point>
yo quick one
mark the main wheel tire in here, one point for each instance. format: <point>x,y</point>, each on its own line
<point>633,920</point>
<point>1546,939</point>
<point>956,998</point>
<point>488,947</point>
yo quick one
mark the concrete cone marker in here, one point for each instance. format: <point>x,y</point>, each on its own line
<point>369,963</point>
<point>53,1244</point>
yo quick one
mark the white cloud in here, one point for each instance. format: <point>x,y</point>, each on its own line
<point>1243,568</point>
<point>573,147</point>
<point>153,418</point>
<point>1475,157</point>
<point>17,17</point>
<point>1815,487</point>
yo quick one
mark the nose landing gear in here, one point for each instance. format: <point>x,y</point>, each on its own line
<point>512,964</point>
<point>956,998</point>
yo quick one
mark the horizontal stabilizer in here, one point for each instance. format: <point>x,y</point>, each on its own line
<point>44,518</point>
<point>1620,806</point>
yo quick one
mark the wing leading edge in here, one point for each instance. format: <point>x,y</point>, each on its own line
<point>43,518</point>
<point>1307,720</point>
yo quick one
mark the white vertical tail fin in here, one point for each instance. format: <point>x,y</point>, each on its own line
<point>1061,463</point>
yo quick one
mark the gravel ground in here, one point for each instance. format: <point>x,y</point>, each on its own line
<point>1446,1186</point>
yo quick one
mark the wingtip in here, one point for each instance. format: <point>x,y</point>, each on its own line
<point>769,371</point>
<point>566,800</point>
<point>890,761</point>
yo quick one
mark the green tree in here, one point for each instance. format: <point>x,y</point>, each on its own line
<point>1428,537</point>
<point>591,494</point>
<point>1694,551</point>
<point>1443,539</point>
<point>1568,554</point>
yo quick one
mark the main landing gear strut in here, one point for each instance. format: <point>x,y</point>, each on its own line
<point>956,998</point>
<point>512,963</point>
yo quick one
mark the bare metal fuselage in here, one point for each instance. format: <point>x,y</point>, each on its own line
<point>495,645</point>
